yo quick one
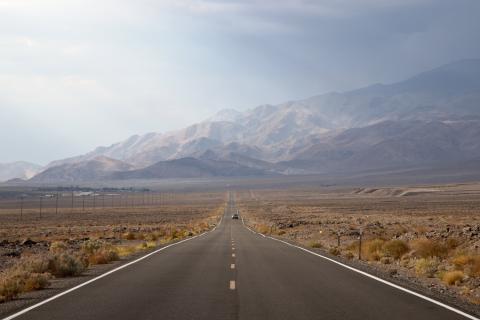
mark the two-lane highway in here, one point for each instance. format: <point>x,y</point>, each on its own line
<point>234,273</point>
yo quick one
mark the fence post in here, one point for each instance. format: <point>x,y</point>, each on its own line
<point>360,245</point>
<point>338,239</point>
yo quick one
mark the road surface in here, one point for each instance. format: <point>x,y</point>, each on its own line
<point>233,273</point>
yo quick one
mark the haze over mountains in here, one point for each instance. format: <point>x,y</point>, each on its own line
<point>432,119</point>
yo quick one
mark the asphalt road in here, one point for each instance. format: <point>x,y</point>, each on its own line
<point>233,273</point>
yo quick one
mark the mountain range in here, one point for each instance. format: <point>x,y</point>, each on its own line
<point>429,120</point>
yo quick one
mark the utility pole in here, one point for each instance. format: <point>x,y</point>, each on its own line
<point>72,202</point>
<point>83,202</point>
<point>56,204</point>
<point>41,205</point>
<point>94,198</point>
<point>21,207</point>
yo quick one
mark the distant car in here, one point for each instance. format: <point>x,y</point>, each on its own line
<point>235,216</point>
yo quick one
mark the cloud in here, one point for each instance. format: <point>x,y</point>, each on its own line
<point>80,73</point>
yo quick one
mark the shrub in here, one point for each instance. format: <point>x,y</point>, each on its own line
<point>315,244</point>
<point>468,263</point>
<point>34,264</point>
<point>426,248</point>
<point>99,252</point>
<point>15,281</point>
<point>10,288</point>
<point>453,277</point>
<point>395,248</point>
<point>426,267</point>
<point>129,236</point>
<point>281,232</point>
<point>124,251</point>
<point>334,251</point>
<point>372,249</point>
<point>58,247</point>
<point>66,265</point>
<point>36,281</point>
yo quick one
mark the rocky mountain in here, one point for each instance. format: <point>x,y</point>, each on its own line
<point>429,119</point>
<point>18,170</point>
<point>88,170</point>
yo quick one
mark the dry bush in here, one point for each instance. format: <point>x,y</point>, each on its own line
<point>58,247</point>
<point>395,248</point>
<point>263,228</point>
<point>334,251</point>
<point>315,244</point>
<point>15,281</point>
<point>99,252</point>
<point>66,265</point>
<point>10,287</point>
<point>34,264</point>
<point>427,248</point>
<point>427,267</point>
<point>373,249</point>
<point>128,236</point>
<point>470,264</point>
<point>453,277</point>
<point>124,251</point>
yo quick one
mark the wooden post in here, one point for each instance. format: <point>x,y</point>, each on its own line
<point>360,245</point>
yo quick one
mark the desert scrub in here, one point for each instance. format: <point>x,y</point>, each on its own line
<point>66,265</point>
<point>99,252</point>
<point>315,244</point>
<point>373,249</point>
<point>452,277</point>
<point>427,267</point>
<point>427,248</point>
<point>15,281</point>
<point>468,263</point>
<point>395,248</point>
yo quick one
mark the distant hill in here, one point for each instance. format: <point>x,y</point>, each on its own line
<point>89,170</point>
<point>18,170</point>
<point>190,168</point>
<point>431,119</point>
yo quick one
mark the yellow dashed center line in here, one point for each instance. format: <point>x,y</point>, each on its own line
<point>232,266</point>
<point>233,255</point>
<point>232,284</point>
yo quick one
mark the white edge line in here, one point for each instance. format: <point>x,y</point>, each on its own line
<point>388,283</point>
<point>21,312</point>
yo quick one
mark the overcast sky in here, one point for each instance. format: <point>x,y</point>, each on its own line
<point>75,74</point>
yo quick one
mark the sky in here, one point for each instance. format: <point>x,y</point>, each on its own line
<point>76,74</point>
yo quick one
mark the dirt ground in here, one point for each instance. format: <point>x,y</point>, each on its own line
<point>28,232</point>
<point>428,235</point>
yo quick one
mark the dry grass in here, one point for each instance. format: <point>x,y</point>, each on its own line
<point>395,248</point>
<point>427,267</point>
<point>453,277</point>
<point>427,248</point>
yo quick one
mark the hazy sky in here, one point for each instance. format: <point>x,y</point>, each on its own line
<point>75,74</point>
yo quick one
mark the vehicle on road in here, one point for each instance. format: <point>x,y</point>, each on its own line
<point>235,216</point>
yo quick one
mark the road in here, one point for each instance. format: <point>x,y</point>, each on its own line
<point>233,273</point>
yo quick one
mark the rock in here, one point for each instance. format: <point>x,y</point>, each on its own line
<point>28,242</point>
<point>14,253</point>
